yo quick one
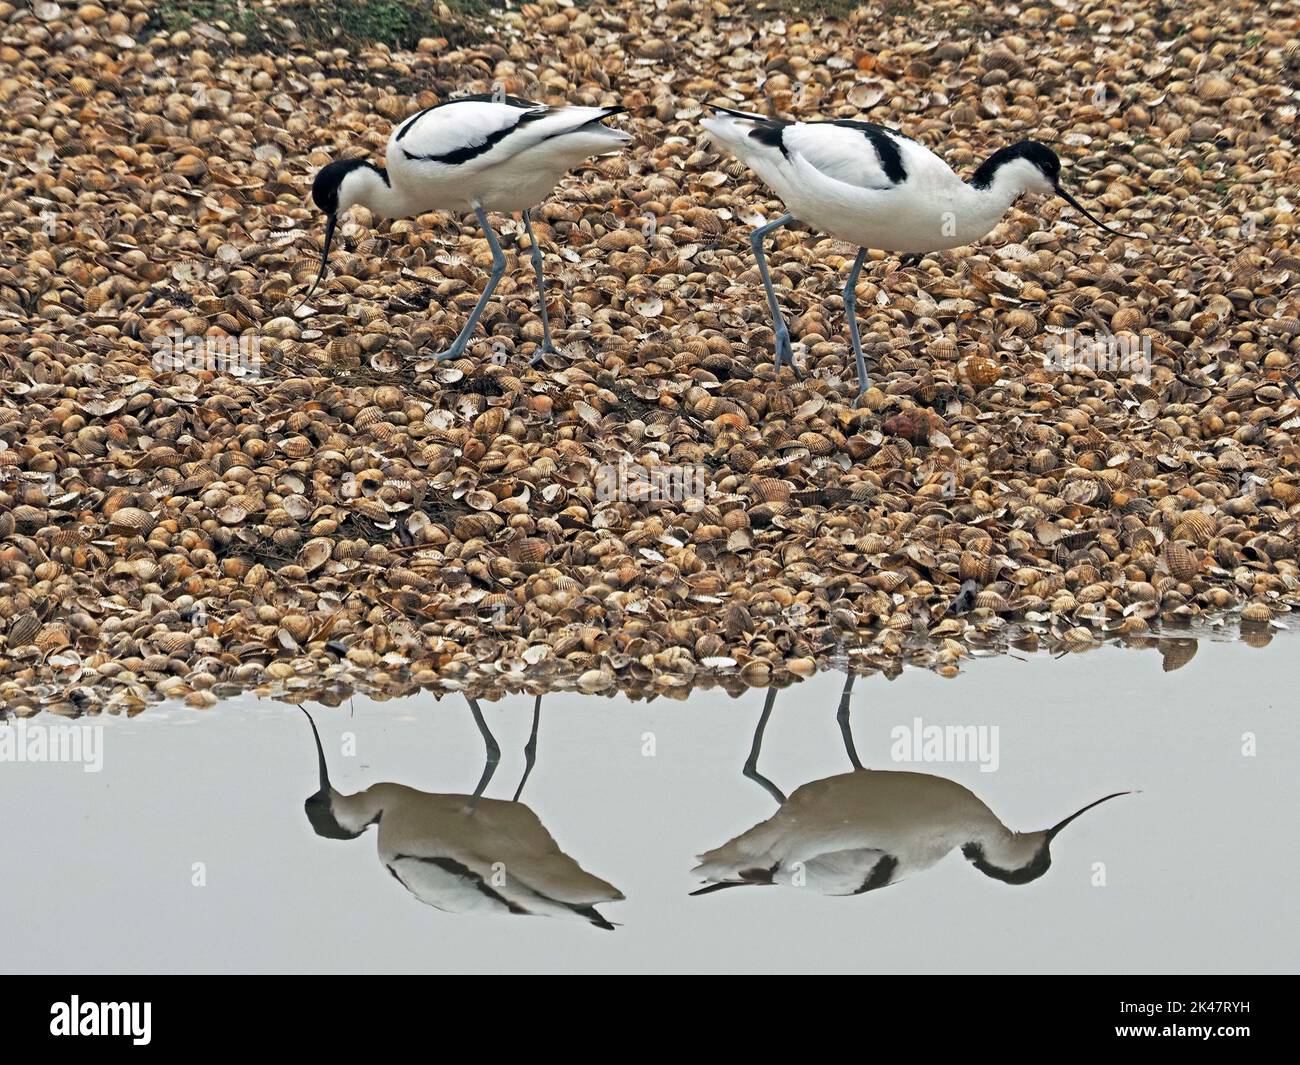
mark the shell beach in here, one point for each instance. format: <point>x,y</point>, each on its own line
<point>1070,437</point>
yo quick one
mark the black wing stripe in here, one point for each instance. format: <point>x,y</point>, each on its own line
<point>478,98</point>
<point>588,911</point>
<point>882,140</point>
<point>880,874</point>
<point>406,127</point>
<point>771,134</point>
<point>592,915</point>
<point>457,869</point>
<point>722,885</point>
<point>464,154</point>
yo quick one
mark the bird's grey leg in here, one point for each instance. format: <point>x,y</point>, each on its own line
<point>778,323</point>
<point>492,753</point>
<point>547,347</point>
<point>851,310</point>
<point>530,749</point>
<point>751,765</point>
<point>846,729</point>
<point>498,271</point>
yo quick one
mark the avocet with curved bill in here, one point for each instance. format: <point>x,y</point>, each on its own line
<point>481,153</point>
<point>864,830</point>
<point>877,188</point>
<point>464,853</point>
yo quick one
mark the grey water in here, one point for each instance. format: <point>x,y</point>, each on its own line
<point>189,849</point>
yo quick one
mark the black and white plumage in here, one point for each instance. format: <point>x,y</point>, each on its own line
<point>464,853</point>
<point>877,188</point>
<point>857,832</point>
<point>481,153</point>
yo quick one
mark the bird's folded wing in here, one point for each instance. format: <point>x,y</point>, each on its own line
<point>449,885</point>
<point>528,853</point>
<point>478,133</point>
<point>459,132</point>
<point>505,845</point>
<point>863,155</point>
<point>557,876</point>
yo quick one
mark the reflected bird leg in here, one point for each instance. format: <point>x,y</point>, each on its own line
<point>457,348</point>
<point>851,311</point>
<point>530,749</point>
<point>778,323</point>
<point>547,347</point>
<point>751,765</point>
<point>492,753</point>
<point>846,729</point>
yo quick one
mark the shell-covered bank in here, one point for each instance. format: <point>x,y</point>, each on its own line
<point>1070,436</point>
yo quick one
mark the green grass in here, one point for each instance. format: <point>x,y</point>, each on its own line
<point>824,8</point>
<point>399,24</point>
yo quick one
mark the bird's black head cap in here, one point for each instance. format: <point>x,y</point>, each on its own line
<point>325,188</point>
<point>1049,165</point>
<point>1035,152</point>
<point>1031,870</point>
<point>320,813</point>
<point>1039,862</point>
<point>319,807</point>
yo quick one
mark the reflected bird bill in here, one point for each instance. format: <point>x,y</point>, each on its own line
<point>1052,832</point>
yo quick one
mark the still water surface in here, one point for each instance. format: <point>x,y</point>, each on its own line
<point>1193,874</point>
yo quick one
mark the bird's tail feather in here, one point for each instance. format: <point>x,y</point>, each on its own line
<point>596,126</point>
<point>719,109</point>
<point>709,889</point>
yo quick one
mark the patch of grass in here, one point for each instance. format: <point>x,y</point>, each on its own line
<point>823,8</point>
<point>399,24</point>
<point>173,15</point>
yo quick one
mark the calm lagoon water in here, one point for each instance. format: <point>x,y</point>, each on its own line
<point>190,851</point>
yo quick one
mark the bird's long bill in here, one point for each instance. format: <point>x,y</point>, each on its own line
<point>1065,195</point>
<point>331,221</point>
<point>320,755</point>
<point>1051,832</point>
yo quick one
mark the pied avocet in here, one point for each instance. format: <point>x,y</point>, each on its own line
<point>877,188</point>
<point>477,153</point>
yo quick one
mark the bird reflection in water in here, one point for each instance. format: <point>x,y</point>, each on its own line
<point>867,829</point>
<point>465,853</point>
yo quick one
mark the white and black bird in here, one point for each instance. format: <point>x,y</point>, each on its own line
<point>464,853</point>
<point>483,153</point>
<point>864,830</point>
<point>877,188</point>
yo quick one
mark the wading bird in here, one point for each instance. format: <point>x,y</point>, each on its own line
<point>877,188</point>
<point>464,853</point>
<point>481,153</point>
<point>858,831</point>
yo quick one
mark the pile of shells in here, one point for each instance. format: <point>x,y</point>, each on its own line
<point>654,507</point>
